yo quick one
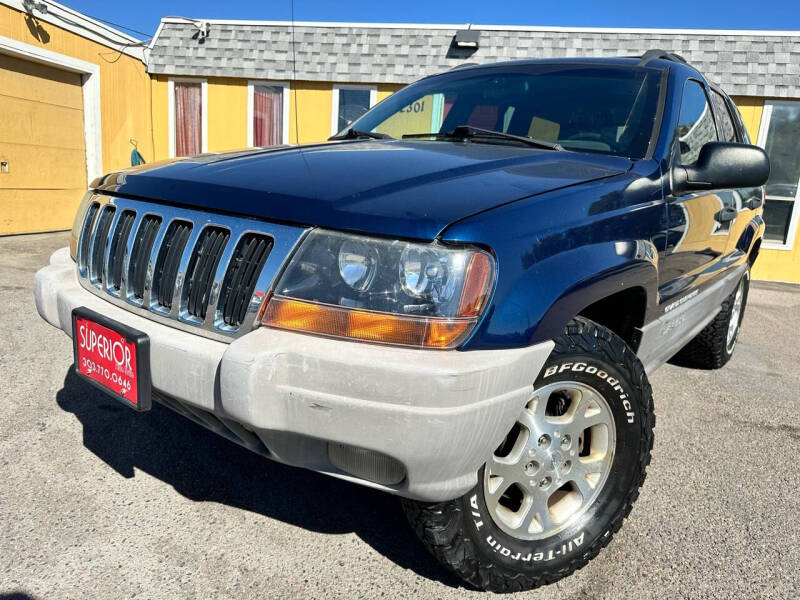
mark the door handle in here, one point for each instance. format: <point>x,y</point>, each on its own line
<point>726,214</point>
<point>754,203</point>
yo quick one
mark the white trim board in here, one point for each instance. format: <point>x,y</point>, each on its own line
<point>250,105</point>
<point>79,24</point>
<point>794,220</point>
<point>203,111</point>
<point>90,85</point>
<point>455,26</point>
<point>373,99</point>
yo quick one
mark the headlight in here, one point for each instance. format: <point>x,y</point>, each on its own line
<point>358,264</point>
<point>380,290</point>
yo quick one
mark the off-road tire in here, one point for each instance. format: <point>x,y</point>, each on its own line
<point>709,349</point>
<point>462,535</point>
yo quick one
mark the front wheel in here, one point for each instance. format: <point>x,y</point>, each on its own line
<point>560,484</point>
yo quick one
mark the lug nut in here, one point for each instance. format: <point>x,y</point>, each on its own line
<point>567,466</point>
<point>544,440</point>
<point>565,441</point>
<point>531,467</point>
<point>544,482</point>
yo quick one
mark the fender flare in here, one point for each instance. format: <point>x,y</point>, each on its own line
<point>559,287</point>
<point>750,234</point>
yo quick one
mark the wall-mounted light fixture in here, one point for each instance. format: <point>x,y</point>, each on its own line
<point>467,38</point>
<point>32,5</point>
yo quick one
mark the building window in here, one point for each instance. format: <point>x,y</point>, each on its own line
<point>349,103</point>
<point>778,135</point>
<point>187,117</point>
<point>267,113</point>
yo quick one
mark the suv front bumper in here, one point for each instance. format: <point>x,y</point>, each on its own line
<point>296,397</point>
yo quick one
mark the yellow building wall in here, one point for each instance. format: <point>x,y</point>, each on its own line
<point>159,95</point>
<point>227,112</point>
<point>124,84</point>
<point>387,89</point>
<point>313,100</point>
<point>772,264</point>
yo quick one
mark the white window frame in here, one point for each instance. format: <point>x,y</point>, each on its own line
<point>763,129</point>
<point>251,104</point>
<point>90,86</point>
<point>373,100</point>
<point>203,111</point>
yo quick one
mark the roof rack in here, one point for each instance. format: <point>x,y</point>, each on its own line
<point>655,54</point>
<point>464,66</point>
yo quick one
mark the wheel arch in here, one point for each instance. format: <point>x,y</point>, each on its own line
<point>618,298</point>
<point>586,281</point>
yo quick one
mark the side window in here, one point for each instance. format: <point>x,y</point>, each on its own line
<point>727,131</point>
<point>695,123</point>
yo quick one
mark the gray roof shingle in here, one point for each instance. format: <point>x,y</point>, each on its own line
<point>744,63</point>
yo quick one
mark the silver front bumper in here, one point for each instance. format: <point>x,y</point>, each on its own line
<point>440,414</point>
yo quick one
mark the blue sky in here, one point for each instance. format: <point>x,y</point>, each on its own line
<point>143,15</point>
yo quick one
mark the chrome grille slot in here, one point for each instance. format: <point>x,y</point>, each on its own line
<point>140,255</point>
<point>169,259</point>
<point>86,236</point>
<point>202,268</point>
<point>197,271</point>
<point>240,280</point>
<point>119,242</point>
<point>99,243</point>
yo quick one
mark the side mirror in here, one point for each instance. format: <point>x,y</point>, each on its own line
<point>722,165</point>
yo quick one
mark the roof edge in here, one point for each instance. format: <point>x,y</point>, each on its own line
<point>440,26</point>
<point>76,22</point>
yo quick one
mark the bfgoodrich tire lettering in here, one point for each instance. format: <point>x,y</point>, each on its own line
<point>462,533</point>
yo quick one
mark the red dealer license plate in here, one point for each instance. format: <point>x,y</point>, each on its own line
<point>113,357</point>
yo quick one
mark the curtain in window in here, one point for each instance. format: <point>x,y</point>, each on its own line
<point>267,115</point>
<point>188,127</point>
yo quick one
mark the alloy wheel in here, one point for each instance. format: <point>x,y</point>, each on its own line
<point>553,464</point>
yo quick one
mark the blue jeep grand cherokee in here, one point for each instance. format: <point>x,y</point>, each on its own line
<point>457,300</point>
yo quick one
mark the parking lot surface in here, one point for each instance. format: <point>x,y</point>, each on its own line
<point>97,501</point>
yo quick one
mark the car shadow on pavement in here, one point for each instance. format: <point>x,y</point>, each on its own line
<point>203,466</point>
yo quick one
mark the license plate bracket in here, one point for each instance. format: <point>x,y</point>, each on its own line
<point>112,357</point>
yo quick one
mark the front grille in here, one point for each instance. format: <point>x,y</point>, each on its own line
<point>203,268</point>
<point>169,259</point>
<point>86,236</point>
<point>140,255</point>
<point>242,276</point>
<point>119,243</point>
<point>97,252</point>
<point>197,271</point>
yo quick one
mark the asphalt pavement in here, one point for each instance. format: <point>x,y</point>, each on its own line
<point>97,501</point>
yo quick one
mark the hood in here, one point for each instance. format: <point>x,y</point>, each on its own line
<point>411,189</point>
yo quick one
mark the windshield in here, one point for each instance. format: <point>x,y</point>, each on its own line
<point>610,110</point>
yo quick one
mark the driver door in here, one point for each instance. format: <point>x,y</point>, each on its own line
<point>698,223</point>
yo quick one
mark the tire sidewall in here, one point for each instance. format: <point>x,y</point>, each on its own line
<point>744,281</point>
<point>625,401</point>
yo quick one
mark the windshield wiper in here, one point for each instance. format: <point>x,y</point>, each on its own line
<point>468,132</point>
<point>354,134</point>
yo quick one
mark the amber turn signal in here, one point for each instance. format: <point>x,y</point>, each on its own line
<point>369,326</point>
